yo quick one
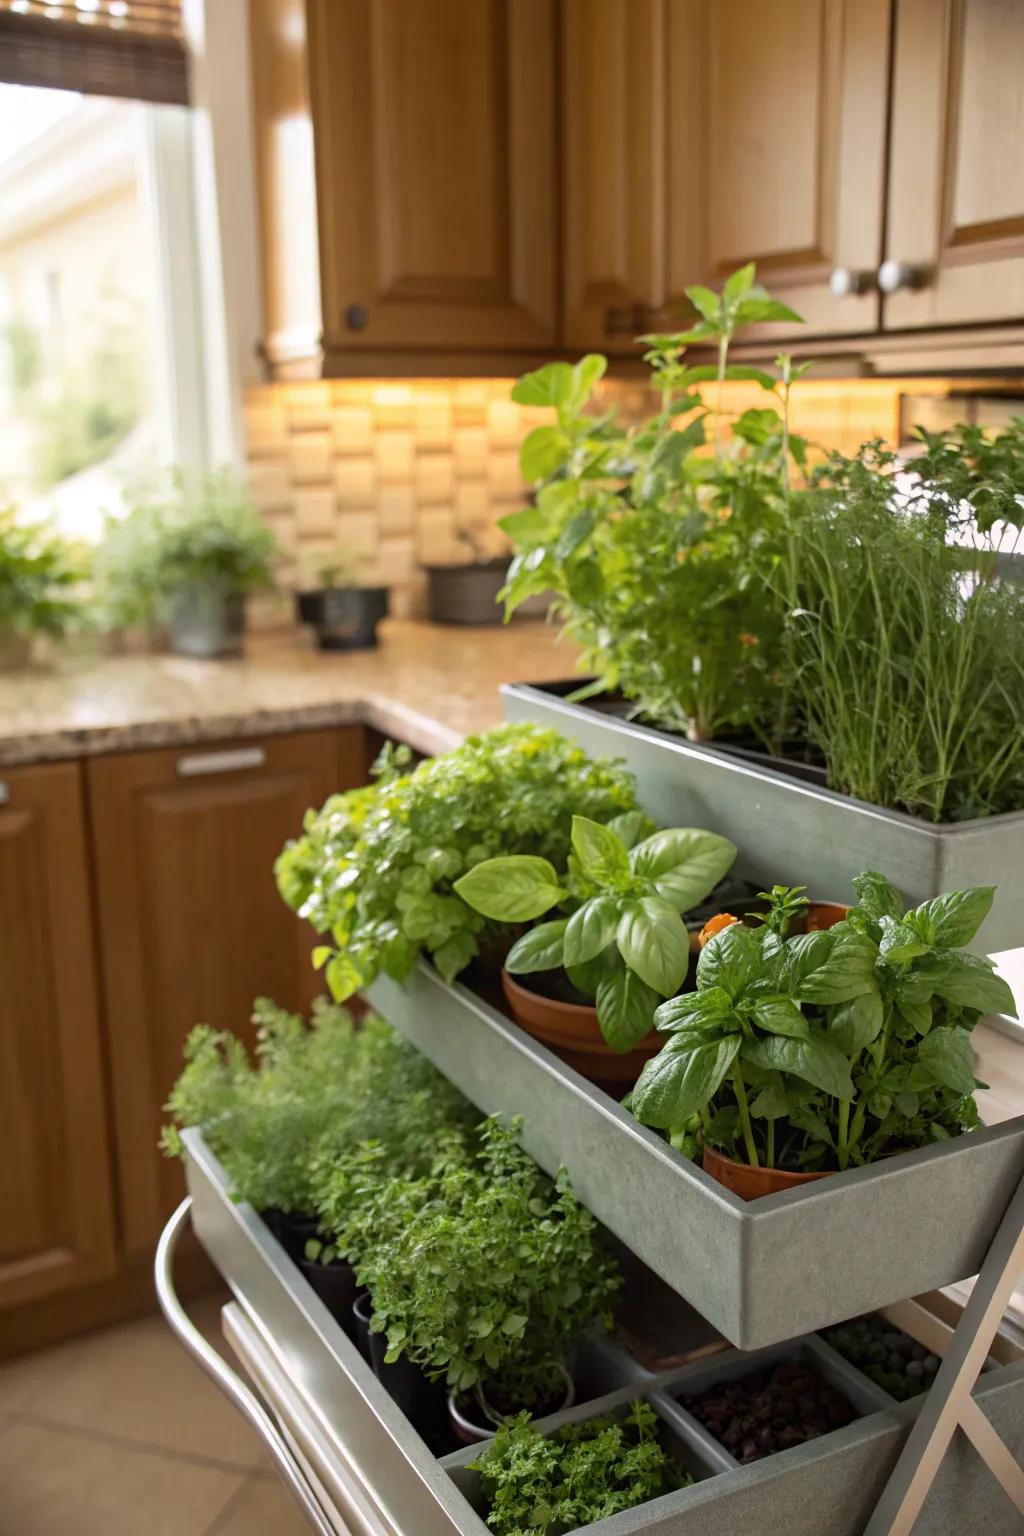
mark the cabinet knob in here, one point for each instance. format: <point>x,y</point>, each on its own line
<point>895,276</point>
<point>845,281</point>
<point>356,317</point>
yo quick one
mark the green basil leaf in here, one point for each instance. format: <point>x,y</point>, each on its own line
<point>544,386</point>
<point>654,943</point>
<point>918,1015</point>
<point>601,852</point>
<point>780,1016</point>
<point>758,311</point>
<point>588,976</point>
<point>853,1025</point>
<point>680,1080</point>
<point>947,1055</point>
<point>817,1061</point>
<point>695,1010</point>
<point>543,451</point>
<point>739,283</point>
<point>801,956</point>
<point>848,971</point>
<point>343,977</point>
<point>625,1009</point>
<point>951,921</point>
<point>731,960</point>
<point>591,929</point>
<point>631,826</point>
<point>772,1103</point>
<point>705,301</point>
<point>876,896</point>
<point>685,863</point>
<point>584,376</point>
<point>901,941</point>
<point>541,949</point>
<point>513,889</point>
<point>969,981</point>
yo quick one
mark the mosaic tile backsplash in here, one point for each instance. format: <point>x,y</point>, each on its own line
<point>404,473</point>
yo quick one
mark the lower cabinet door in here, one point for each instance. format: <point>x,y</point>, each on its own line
<point>56,1179</point>
<point>192,928</point>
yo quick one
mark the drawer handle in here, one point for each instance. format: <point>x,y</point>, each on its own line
<point>198,763</point>
<point>230,1383</point>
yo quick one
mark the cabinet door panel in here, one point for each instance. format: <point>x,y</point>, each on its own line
<point>192,927</point>
<point>796,110</point>
<point>56,1180</point>
<point>434,128</point>
<point>956,189</point>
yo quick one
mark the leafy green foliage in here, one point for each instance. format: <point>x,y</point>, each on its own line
<point>484,1274</point>
<point>377,867</point>
<point>39,572</point>
<point>828,1049</point>
<point>546,1485</point>
<point>905,647</point>
<point>624,942</point>
<point>178,534</point>
<point>660,553</point>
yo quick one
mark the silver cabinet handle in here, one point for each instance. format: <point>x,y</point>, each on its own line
<point>895,276</point>
<point>845,281</point>
<point>198,763</point>
<point>230,1383</point>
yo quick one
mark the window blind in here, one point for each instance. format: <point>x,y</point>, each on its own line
<point>131,48</point>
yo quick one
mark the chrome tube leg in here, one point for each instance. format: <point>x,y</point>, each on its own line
<point>949,1403</point>
<point>226,1379</point>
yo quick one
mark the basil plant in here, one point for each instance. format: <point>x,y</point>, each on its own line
<point>623,941</point>
<point>833,1049</point>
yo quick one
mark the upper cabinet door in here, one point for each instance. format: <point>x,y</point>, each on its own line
<point>955,248</point>
<point>795,115</point>
<point>434,132</point>
<point>56,1178</point>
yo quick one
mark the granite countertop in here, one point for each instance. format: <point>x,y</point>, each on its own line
<point>427,684</point>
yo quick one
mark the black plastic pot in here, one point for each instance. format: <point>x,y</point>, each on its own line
<point>293,1230</point>
<point>466,594</point>
<point>473,1422</point>
<point>345,618</point>
<point>335,1284</point>
<point>419,1399</point>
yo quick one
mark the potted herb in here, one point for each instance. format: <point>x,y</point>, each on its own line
<point>376,867</point>
<point>488,1281</point>
<point>343,613</point>
<point>467,592</point>
<point>624,943</point>
<point>546,1485</point>
<point>186,555</point>
<point>797,1057</point>
<point>39,574</point>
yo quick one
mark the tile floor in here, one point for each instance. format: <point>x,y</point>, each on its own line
<point>119,1433</point>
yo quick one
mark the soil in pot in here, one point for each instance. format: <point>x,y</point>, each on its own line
<point>475,1417</point>
<point>345,618</point>
<point>567,1022</point>
<point>421,1400</point>
<point>753,1183</point>
<point>771,1410</point>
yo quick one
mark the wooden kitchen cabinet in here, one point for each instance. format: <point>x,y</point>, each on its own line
<point>955,246</point>
<point>56,1176</point>
<point>432,131</point>
<point>192,928</point>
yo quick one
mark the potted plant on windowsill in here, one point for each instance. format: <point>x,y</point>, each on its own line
<point>623,944</point>
<point>186,554</point>
<point>39,574</point>
<point>488,1281</point>
<point>798,1057</point>
<point>343,613</point>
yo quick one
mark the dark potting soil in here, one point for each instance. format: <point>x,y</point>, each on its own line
<point>770,1410</point>
<point>886,1355</point>
<point>556,986</point>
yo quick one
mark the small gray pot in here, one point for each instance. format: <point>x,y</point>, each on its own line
<point>206,619</point>
<point>466,594</point>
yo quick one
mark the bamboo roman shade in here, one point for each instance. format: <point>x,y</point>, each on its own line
<point>131,48</point>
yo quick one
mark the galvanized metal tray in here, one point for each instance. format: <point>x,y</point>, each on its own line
<point>794,832</point>
<point>390,1477</point>
<point>761,1272</point>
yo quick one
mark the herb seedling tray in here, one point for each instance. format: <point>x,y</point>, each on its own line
<point>761,1272</point>
<point>828,1484</point>
<point>793,832</point>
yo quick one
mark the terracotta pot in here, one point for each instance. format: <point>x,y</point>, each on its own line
<point>573,1033</point>
<point>817,917</point>
<point>752,1183</point>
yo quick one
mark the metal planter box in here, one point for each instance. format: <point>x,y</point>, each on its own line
<point>759,1272</point>
<point>793,832</point>
<point>386,1482</point>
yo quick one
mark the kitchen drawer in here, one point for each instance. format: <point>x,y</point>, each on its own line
<point>381,1478</point>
